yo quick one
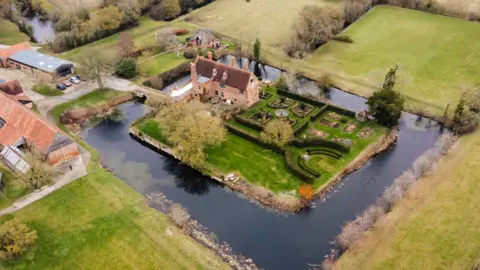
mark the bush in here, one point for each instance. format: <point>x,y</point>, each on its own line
<point>244,134</point>
<point>325,83</point>
<point>180,31</point>
<point>15,238</point>
<point>296,170</point>
<point>301,128</point>
<point>317,115</point>
<point>249,123</point>
<point>326,152</point>
<point>320,142</point>
<point>300,97</point>
<point>126,68</point>
<point>282,84</point>
<point>342,38</point>
<point>190,53</point>
<point>341,110</point>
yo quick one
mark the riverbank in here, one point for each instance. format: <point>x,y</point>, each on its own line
<point>265,197</point>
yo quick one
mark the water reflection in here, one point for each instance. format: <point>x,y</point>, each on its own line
<point>43,31</point>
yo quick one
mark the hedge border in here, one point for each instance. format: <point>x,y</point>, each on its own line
<point>296,170</point>
<point>302,127</point>
<point>303,165</point>
<point>317,115</point>
<point>242,133</point>
<point>325,153</point>
<point>248,122</point>
<point>320,142</point>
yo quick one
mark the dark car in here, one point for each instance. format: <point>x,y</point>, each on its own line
<point>61,86</point>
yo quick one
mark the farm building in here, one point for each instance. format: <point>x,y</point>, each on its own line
<point>210,80</point>
<point>6,53</point>
<point>15,91</point>
<point>22,128</point>
<point>44,67</point>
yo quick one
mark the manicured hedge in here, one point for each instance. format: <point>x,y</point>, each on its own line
<point>249,122</point>
<point>300,97</point>
<point>320,142</point>
<point>341,110</point>
<point>317,115</point>
<point>168,77</point>
<point>303,165</point>
<point>325,152</point>
<point>242,133</point>
<point>295,169</point>
<point>301,128</point>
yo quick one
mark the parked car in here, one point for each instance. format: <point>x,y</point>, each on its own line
<point>74,80</point>
<point>67,83</point>
<point>61,86</point>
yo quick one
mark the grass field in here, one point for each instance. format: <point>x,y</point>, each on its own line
<point>98,222</point>
<point>436,226</point>
<point>437,56</point>
<point>265,19</point>
<point>10,34</point>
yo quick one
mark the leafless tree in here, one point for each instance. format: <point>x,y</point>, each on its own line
<point>179,215</point>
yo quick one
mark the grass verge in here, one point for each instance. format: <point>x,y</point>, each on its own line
<point>13,189</point>
<point>10,33</point>
<point>46,90</point>
<point>435,226</point>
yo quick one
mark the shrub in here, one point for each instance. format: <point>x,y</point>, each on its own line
<point>249,123</point>
<point>303,165</point>
<point>282,84</point>
<point>126,68</point>
<point>325,83</point>
<point>15,238</point>
<point>168,77</point>
<point>320,142</point>
<point>278,132</point>
<point>423,164</point>
<point>190,53</point>
<point>320,112</point>
<point>301,128</point>
<point>342,38</point>
<point>444,143</point>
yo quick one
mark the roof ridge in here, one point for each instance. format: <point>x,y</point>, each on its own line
<point>222,64</point>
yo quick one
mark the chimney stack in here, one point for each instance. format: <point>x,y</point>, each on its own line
<point>210,55</point>
<point>245,65</point>
<point>234,61</point>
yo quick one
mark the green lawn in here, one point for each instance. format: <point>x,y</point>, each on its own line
<point>151,128</point>
<point>436,226</point>
<point>14,188</point>
<point>47,90</point>
<point>98,222</point>
<point>437,56</point>
<point>10,34</point>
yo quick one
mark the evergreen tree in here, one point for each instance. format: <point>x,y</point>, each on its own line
<point>256,50</point>
<point>387,104</point>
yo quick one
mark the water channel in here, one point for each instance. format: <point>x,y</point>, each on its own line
<point>272,240</point>
<point>43,31</point>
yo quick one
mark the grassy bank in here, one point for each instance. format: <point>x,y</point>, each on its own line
<point>10,34</point>
<point>14,188</point>
<point>435,227</point>
<point>46,90</point>
<point>99,222</point>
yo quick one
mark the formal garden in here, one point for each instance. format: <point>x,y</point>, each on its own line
<point>324,140</point>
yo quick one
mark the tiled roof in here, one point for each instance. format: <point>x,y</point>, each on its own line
<point>40,61</point>
<point>11,87</point>
<point>236,77</point>
<point>22,122</point>
<point>7,52</point>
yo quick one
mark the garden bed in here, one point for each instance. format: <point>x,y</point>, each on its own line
<point>301,110</point>
<point>281,103</point>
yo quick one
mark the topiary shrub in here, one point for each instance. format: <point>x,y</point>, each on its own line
<point>126,68</point>
<point>190,53</point>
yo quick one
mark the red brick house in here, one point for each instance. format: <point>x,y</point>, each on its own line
<point>227,83</point>
<point>6,53</point>
<point>21,127</point>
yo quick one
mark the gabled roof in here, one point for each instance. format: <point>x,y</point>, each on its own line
<point>22,122</point>
<point>11,87</point>
<point>40,61</point>
<point>236,77</point>
<point>7,52</point>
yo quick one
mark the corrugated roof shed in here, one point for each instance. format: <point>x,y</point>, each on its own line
<point>40,61</point>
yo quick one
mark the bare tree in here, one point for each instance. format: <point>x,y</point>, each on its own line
<point>126,45</point>
<point>166,40</point>
<point>94,64</point>
<point>40,173</point>
<point>179,215</point>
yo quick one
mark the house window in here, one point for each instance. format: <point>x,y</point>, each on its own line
<point>222,94</point>
<point>2,122</point>
<point>216,93</point>
<point>222,85</point>
<point>242,91</point>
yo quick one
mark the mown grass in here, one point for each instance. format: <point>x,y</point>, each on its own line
<point>46,90</point>
<point>436,226</point>
<point>98,222</point>
<point>10,34</point>
<point>13,188</point>
<point>151,128</point>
